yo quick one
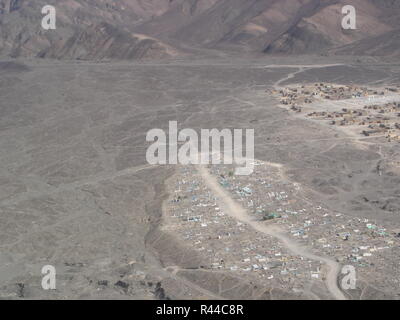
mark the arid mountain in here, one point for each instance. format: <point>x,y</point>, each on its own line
<point>128,29</point>
<point>86,29</point>
<point>275,26</point>
<point>322,29</point>
<point>389,43</point>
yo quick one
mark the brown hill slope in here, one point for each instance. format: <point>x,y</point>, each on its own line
<point>387,44</point>
<point>322,29</point>
<point>103,29</point>
<point>86,29</point>
<point>275,26</point>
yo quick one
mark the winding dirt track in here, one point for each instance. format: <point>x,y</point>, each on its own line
<point>235,210</point>
<point>300,68</point>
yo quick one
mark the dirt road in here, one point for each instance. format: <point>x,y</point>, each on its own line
<point>300,69</point>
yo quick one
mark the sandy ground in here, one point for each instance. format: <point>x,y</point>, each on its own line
<point>76,190</point>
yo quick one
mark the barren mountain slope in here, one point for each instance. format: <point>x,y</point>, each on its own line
<point>272,26</point>
<point>389,43</point>
<point>86,29</point>
<point>102,29</point>
<point>323,30</point>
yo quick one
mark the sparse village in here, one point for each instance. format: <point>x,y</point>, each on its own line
<point>364,111</point>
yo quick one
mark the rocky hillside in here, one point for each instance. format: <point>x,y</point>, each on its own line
<point>129,29</point>
<point>86,29</point>
<point>321,29</point>
<point>388,43</point>
<point>276,26</point>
